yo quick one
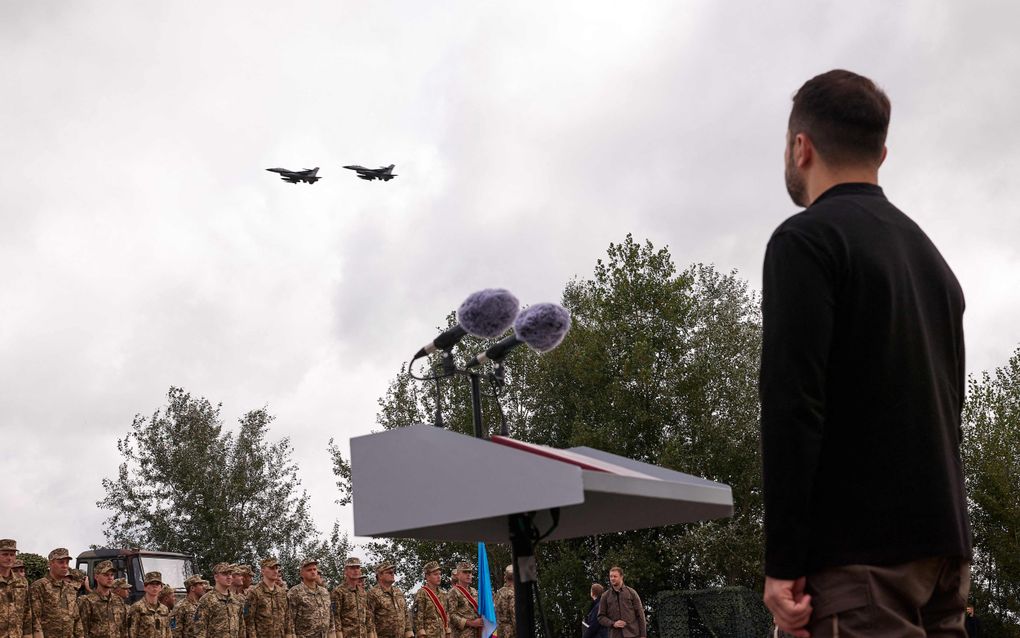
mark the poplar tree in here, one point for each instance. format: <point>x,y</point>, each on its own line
<point>991,458</point>
<point>186,484</point>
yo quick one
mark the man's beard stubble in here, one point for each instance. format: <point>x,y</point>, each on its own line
<point>795,184</point>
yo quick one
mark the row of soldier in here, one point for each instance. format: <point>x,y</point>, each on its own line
<point>231,607</point>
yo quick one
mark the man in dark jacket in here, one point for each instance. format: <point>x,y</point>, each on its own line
<point>620,609</point>
<point>591,626</point>
<point>862,385</point>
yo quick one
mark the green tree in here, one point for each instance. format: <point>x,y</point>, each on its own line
<point>330,551</point>
<point>188,485</point>
<point>991,455</point>
<point>660,366</point>
<point>342,472</point>
<point>36,566</point>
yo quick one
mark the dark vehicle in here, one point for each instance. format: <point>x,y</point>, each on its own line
<point>133,564</point>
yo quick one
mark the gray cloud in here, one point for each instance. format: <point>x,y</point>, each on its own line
<point>144,245</point>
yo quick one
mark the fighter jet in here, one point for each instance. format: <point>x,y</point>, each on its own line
<point>307,175</point>
<point>385,173</point>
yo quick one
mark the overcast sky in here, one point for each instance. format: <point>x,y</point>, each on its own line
<point>143,245</point>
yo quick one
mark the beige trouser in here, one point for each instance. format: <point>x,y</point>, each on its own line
<point>924,598</point>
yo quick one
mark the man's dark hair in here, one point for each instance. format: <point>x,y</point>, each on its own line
<point>597,589</point>
<point>846,116</point>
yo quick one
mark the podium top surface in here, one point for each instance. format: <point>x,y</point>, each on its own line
<point>428,483</point>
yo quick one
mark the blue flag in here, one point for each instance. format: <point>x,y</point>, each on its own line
<point>486,609</point>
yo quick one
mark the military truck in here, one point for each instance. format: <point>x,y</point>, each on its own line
<point>134,563</point>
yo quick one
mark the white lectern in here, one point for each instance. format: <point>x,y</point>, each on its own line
<point>513,490</point>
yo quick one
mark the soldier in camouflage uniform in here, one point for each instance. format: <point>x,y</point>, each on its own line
<point>236,580</point>
<point>19,567</point>
<point>430,617</point>
<point>54,601</point>
<point>387,605</point>
<point>167,597</point>
<point>503,601</point>
<point>219,612</point>
<point>103,614</point>
<point>183,623</point>
<point>246,577</point>
<point>350,607</point>
<point>122,589</point>
<point>309,606</point>
<point>149,618</point>
<point>15,608</point>
<point>462,604</point>
<point>265,609</point>
<point>77,578</point>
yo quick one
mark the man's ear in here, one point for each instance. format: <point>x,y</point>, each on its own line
<point>885,151</point>
<point>803,150</point>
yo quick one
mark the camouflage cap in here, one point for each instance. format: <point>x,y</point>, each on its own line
<point>309,561</point>
<point>364,573</point>
<point>121,583</point>
<point>194,580</point>
<point>385,566</point>
<point>104,567</point>
<point>59,553</point>
<point>431,566</point>
<point>223,568</point>
<point>235,568</point>
<point>353,561</point>
<point>153,577</point>
<point>509,571</point>
<point>269,562</point>
<point>8,544</point>
<point>76,574</point>
<point>167,591</point>
<point>245,569</point>
<point>464,567</point>
<point>18,564</point>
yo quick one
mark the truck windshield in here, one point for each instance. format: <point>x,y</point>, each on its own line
<point>174,570</point>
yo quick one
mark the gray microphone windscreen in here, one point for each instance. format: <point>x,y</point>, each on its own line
<point>488,313</point>
<point>542,326</point>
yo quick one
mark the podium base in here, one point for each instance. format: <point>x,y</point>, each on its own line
<point>523,538</point>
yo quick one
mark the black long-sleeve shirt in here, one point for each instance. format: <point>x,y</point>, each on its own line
<point>862,386</point>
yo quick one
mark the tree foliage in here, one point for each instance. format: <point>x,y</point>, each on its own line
<point>36,566</point>
<point>660,366</point>
<point>991,455</point>
<point>330,551</point>
<point>188,485</point>
<point>342,472</point>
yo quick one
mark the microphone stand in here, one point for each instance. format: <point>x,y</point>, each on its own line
<point>524,535</point>
<point>449,369</point>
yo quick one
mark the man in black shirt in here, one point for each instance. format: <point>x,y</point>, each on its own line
<point>862,385</point>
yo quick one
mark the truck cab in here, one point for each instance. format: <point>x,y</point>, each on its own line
<point>134,563</point>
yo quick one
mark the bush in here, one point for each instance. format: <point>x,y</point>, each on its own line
<point>36,566</point>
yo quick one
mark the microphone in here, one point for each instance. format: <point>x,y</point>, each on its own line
<point>495,352</point>
<point>542,327</point>
<point>486,313</point>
